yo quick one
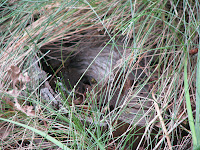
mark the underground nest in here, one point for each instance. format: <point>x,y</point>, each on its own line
<point>105,71</point>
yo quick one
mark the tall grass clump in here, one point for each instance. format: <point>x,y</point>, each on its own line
<point>154,84</point>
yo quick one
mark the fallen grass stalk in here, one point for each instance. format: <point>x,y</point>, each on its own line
<point>162,121</point>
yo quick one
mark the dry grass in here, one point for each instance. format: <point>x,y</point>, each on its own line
<point>154,33</point>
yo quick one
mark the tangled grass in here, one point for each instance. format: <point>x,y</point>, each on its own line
<point>165,32</point>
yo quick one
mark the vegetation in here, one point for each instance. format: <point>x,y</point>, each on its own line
<point>164,35</point>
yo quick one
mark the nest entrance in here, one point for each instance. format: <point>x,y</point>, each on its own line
<point>83,66</point>
<point>104,71</point>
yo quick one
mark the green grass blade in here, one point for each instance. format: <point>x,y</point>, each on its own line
<point>188,103</point>
<point>197,123</point>
<point>99,144</point>
<point>43,134</point>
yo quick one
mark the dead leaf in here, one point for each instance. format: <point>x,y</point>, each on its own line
<point>4,132</point>
<point>15,93</point>
<point>193,51</point>
<point>16,78</point>
<point>14,72</point>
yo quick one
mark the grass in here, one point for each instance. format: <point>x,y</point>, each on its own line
<point>160,32</point>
